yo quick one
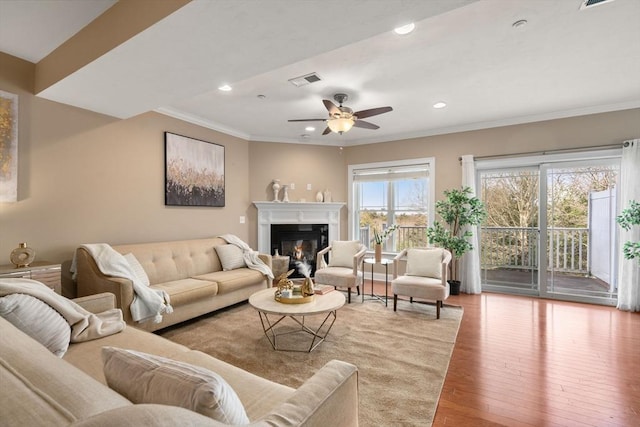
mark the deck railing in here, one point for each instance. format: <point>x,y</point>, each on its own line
<point>508,247</point>
<point>517,247</point>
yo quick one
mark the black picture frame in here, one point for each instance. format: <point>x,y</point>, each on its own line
<point>194,172</point>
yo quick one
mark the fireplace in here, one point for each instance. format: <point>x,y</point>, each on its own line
<point>314,224</point>
<point>300,242</point>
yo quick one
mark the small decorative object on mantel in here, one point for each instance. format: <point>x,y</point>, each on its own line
<point>319,197</point>
<point>380,238</point>
<point>327,196</point>
<point>276,189</point>
<point>22,256</point>
<point>285,193</point>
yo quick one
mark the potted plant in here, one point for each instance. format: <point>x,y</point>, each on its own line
<point>380,237</point>
<point>628,217</point>
<point>457,210</point>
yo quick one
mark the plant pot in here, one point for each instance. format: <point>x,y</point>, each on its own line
<point>454,287</point>
<point>378,252</point>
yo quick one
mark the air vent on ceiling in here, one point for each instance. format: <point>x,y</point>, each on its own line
<point>590,3</point>
<point>305,80</point>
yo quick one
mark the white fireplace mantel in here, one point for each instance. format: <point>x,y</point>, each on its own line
<point>295,213</point>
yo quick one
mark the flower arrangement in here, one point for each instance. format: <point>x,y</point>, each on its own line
<point>380,237</point>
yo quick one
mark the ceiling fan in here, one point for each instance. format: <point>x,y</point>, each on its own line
<point>342,119</point>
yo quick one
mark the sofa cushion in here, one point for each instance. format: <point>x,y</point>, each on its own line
<point>342,253</point>
<point>146,415</point>
<point>170,261</point>
<point>137,268</point>
<point>185,291</point>
<point>42,389</point>
<point>424,262</point>
<point>229,281</point>
<point>146,378</point>
<point>231,257</point>
<point>38,320</point>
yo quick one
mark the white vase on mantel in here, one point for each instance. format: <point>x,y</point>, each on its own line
<point>326,197</point>
<point>276,189</point>
<point>319,197</point>
<point>285,193</point>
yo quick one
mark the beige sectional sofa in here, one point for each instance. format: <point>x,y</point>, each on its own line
<point>38,388</point>
<point>188,270</point>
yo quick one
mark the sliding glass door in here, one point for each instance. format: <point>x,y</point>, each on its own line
<point>581,229</point>
<point>509,238</point>
<point>551,229</point>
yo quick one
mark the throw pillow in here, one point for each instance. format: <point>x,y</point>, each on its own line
<point>230,257</point>
<point>137,268</point>
<point>38,320</point>
<point>424,262</point>
<point>342,253</point>
<point>146,378</point>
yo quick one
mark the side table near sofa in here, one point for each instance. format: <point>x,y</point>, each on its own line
<point>45,272</point>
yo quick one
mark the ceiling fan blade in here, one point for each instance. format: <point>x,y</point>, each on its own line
<point>327,131</point>
<point>331,107</point>
<point>366,125</point>
<point>372,112</point>
<point>307,120</point>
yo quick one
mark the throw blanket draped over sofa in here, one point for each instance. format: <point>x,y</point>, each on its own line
<point>191,273</point>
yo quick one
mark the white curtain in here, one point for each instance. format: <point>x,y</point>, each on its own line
<point>470,262</point>
<point>629,269</point>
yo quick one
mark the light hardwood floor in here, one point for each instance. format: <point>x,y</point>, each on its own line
<point>521,361</point>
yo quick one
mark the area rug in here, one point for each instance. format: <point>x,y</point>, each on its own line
<point>402,357</point>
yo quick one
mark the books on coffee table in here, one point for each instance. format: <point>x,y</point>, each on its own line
<point>322,289</point>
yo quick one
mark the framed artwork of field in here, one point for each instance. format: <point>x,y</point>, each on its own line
<point>8,147</point>
<point>194,172</point>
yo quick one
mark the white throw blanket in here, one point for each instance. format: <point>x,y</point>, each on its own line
<point>85,326</point>
<point>249,255</point>
<point>148,304</point>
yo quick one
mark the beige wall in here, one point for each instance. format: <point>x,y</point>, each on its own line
<point>583,131</point>
<point>323,167</point>
<point>86,177</point>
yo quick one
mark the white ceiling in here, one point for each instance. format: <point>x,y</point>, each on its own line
<point>564,62</point>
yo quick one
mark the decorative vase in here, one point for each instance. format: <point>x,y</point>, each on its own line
<point>327,196</point>
<point>285,193</point>
<point>319,197</point>
<point>22,256</point>
<point>307,287</point>
<point>378,252</point>
<point>276,189</point>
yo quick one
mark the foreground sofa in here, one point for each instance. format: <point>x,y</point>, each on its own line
<point>40,389</point>
<point>189,271</point>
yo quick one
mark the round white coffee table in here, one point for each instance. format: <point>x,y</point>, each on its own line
<point>264,302</point>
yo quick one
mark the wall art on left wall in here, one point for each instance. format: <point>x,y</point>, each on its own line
<point>194,172</point>
<point>8,147</point>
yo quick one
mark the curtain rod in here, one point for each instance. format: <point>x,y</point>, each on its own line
<point>559,150</point>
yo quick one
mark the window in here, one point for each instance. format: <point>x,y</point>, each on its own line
<point>387,193</point>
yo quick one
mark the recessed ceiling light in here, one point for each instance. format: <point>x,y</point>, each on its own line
<point>224,88</point>
<point>405,29</point>
<point>440,104</point>
<point>309,128</point>
<point>519,24</point>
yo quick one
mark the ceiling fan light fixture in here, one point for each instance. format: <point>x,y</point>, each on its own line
<point>405,29</point>
<point>309,128</point>
<point>340,124</point>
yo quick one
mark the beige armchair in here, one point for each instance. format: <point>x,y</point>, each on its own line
<point>425,275</point>
<point>345,258</point>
